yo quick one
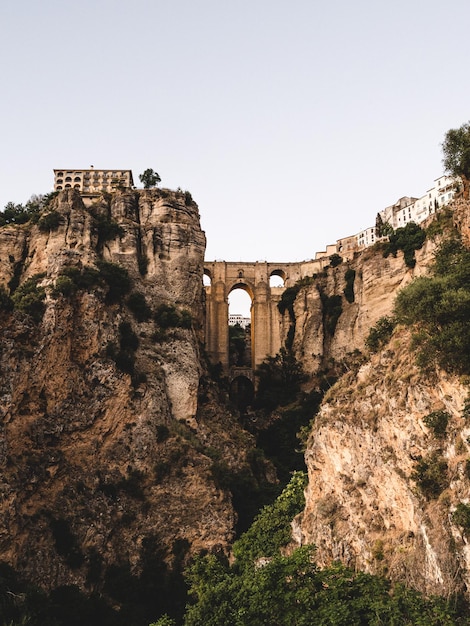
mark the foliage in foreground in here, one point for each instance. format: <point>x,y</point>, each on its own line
<point>264,586</point>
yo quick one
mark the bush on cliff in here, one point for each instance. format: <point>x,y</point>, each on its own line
<point>408,238</point>
<point>49,221</point>
<point>437,307</point>
<point>117,279</point>
<point>380,333</point>
<point>29,298</point>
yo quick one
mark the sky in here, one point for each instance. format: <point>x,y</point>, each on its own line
<point>292,123</point>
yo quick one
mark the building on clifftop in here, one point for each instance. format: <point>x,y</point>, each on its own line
<point>90,182</point>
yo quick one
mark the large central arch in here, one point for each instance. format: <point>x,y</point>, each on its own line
<point>265,317</point>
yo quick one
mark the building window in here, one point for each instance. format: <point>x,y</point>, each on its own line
<point>68,179</point>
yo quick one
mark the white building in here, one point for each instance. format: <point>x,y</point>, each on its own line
<point>408,209</point>
<point>416,210</point>
<point>237,318</point>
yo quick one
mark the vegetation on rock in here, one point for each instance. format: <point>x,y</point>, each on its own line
<point>456,151</point>
<point>380,333</point>
<point>29,297</point>
<point>408,238</point>
<point>149,178</point>
<point>437,307</point>
<point>264,585</point>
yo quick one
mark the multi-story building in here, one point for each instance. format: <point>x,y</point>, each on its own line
<point>92,181</point>
<point>416,210</point>
<point>238,318</point>
<point>408,209</point>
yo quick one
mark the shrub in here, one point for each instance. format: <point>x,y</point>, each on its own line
<point>467,468</point>
<point>271,529</point>
<point>461,516</point>
<point>29,298</point>
<point>124,356</point>
<point>168,316</point>
<point>64,286</point>
<point>139,307</point>
<point>142,262</point>
<point>335,260</point>
<point>117,279</point>
<point>408,238</point>
<point>380,333</point>
<point>466,409</point>
<point>163,432</point>
<point>82,279</point>
<point>442,222</point>
<point>49,221</point>
<point>430,475</point>
<point>186,319</point>
<point>279,380</point>
<point>438,307</point>
<point>125,361</point>
<point>437,421</point>
<point>286,303</point>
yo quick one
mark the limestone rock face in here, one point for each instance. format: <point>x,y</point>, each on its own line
<point>363,505</point>
<point>377,281</point>
<point>102,457</point>
<point>365,500</point>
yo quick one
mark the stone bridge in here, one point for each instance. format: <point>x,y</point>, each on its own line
<point>266,320</point>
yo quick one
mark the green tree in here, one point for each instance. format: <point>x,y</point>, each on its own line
<point>149,178</point>
<point>263,586</point>
<point>237,344</point>
<point>279,378</point>
<point>407,238</point>
<point>456,151</point>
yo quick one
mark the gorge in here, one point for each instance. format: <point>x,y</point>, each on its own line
<point>122,457</point>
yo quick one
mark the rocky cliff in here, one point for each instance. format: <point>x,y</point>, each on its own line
<point>109,429</point>
<point>323,334</point>
<point>384,485</point>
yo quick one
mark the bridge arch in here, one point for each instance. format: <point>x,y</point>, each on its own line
<point>266,320</point>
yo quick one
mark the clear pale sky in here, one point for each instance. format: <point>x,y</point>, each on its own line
<point>291,123</point>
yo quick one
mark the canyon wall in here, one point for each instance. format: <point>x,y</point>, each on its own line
<point>370,443</point>
<point>109,426</point>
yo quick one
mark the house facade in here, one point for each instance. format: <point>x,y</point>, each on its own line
<point>92,181</point>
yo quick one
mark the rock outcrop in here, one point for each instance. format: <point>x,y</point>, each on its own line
<point>375,283</point>
<point>364,504</point>
<point>370,451</point>
<point>109,430</point>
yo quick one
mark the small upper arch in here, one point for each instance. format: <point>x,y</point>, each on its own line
<point>277,278</point>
